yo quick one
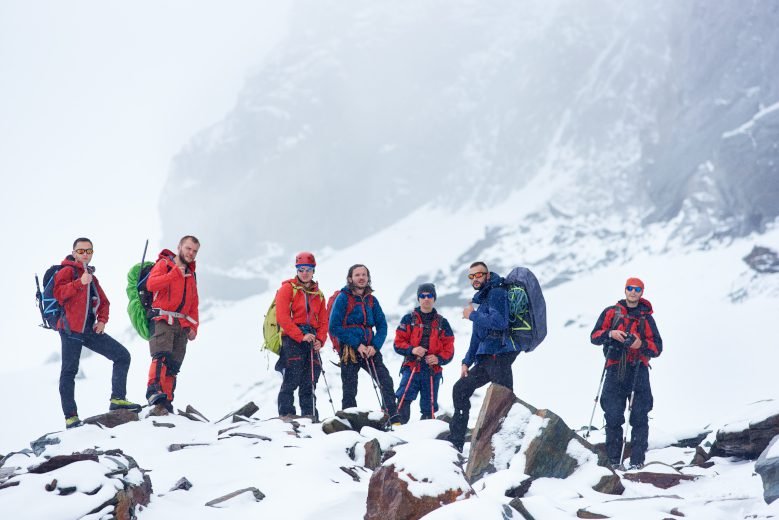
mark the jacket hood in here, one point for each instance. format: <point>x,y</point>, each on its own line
<point>644,306</point>
<point>69,261</point>
<point>167,254</point>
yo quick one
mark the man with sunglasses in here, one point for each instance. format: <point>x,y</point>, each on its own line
<point>426,340</point>
<point>83,323</point>
<point>174,321</point>
<point>489,353</point>
<point>629,336</point>
<point>301,312</point>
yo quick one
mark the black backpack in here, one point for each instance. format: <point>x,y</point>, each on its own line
<point>51,311</point>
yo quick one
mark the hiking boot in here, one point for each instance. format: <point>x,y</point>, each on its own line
<point>72,422</point>
<point>156,398</point>
<point>635,466</point>
<point>123,404</point>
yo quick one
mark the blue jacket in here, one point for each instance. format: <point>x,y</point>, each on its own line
<point>364,316</point>
<point>490,321</point>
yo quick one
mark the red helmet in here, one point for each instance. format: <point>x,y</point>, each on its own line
<point>305,257</point>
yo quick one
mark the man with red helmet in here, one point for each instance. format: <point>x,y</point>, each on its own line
<point>301,312</point>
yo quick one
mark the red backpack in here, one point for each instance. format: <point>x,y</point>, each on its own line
<point>351,303</point>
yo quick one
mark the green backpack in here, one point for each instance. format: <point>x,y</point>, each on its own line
<point>271,330</point>
<point>140,298</point>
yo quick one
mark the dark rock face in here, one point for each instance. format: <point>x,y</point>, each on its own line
<point>390,499</point>
<point>334,425</point>
<point>546,455</point>
<point>746,444</point>
<point>372,454</point>
<point>768,469</point>
<point>763,260</point>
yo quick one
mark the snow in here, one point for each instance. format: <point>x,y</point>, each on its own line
<point>429,467</point>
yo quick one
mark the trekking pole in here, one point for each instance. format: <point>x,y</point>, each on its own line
<point>313,386</point>
<point>597,395</point>
<point>636,367</point>
<point>329,396</point>
<point>432,398</point>
<point>375,379</point>
<point>408,384</point>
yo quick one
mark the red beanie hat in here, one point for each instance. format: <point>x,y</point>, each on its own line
<point>635,282</point>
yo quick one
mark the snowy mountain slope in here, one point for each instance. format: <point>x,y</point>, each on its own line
<point>376,110</point>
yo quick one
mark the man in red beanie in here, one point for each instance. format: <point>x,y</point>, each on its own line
<point>302,316</point>
<point>629,336</point>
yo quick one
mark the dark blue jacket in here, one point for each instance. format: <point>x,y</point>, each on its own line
<point>364,317</point>
<point>490,321</point>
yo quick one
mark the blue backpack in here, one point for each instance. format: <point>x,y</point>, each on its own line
<point>51,311</point>
<point>527,309</point>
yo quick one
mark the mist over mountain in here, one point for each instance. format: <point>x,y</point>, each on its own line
<point>640,112</point>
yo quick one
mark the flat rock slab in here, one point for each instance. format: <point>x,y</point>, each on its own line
<point>659,480</point>
<point>258,495</point>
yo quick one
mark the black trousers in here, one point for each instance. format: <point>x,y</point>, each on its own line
<point>102,344</point>
<point>615,397</point>
<point>349,373</point>
<point>488,369</point>
<point>301,373</point>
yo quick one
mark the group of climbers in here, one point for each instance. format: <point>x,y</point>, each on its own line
<point>357,327</point>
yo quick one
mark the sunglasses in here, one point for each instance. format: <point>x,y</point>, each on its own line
<point>305,269</point>
<point>478,276</point>
<point>87,251</point>
<point>634,288</point>
<point>424,295</point>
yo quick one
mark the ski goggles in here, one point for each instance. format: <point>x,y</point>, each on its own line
<point>82,251</point>
<point>424,295</point>
<point>478,276</point>
<point>634,288</point>
<point>305,269</point>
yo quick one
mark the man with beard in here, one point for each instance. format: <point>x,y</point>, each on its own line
<point>174,319</point>
<point>358,324</point>
<point>489,353</point>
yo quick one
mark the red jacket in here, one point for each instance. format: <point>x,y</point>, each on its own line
<point>637,321</point>
<point>172,290</point>
<point>306,307</point>
<point>72,296</point>
<point>409,335</point>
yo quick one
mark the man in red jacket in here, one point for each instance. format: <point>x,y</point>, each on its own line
<point>174,321</point>
<point>629,336</point>
<point>425,338</point>
<point>85,316</point>
<point>302,316</point>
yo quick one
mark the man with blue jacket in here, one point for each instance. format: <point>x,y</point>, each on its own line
<point>489,353</point>
<point>358,325</point>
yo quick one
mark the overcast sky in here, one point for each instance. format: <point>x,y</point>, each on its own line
<point>96,97</point>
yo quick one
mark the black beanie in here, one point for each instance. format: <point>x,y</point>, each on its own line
<point>426,288</point>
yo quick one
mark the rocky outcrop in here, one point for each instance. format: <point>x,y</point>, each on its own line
<point>507,426</point>
<point>113,418</point>
<point>358,419</point>
<point>767,466</point>
<point>746,439</point>
<point>406,487</point>
<point>122,490</point>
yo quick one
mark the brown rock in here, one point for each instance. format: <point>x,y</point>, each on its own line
<point>659,480</point>
<point>372,454</point>
<point>610,485</point>
<point>358,420</point>
<point>113,418</point>
<point>746,444</point>
<point>246,410</point>
<point>583,513</point>
<point>390,499</point>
